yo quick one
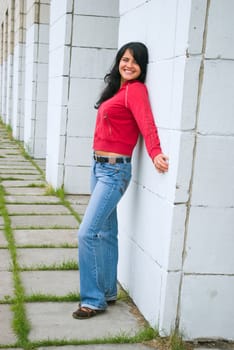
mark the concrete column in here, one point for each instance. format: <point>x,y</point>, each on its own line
<point>10,55</point>
<point>176,256</point>
<point>36,77</point>
<point>207,283</point>
<point>4,67</point>
<point>19,70</point>
<point>1,64</point>
<point>84,36</point>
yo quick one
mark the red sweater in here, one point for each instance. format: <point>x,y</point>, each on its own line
<point>121,118</point>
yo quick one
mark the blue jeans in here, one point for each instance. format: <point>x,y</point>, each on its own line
<point>98,235</point>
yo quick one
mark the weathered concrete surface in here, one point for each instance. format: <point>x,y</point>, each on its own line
<point>55,237</point>
<point>7,336</point>
<point>49,282</point>
<point>36,209</point>
<point>101,347</point>
<point>55,321</point>
<point>5,260</point>
<point>25,191</point>
<point>3,241</point>
<point>22,183</point>
<point>32,257</point>
<point>38,221</point>
<point>31,199</point>
<point>6,284</point>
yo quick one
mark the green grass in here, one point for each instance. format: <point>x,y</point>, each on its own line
<point>49,246</point>
<point>123,338</point>
<point>61,195</point>
<point>40,297</point>
<point>33,185</point>
<point>64,266</point>
<point>20,322</point>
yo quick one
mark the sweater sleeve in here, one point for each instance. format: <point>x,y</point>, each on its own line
<point>137,100</point>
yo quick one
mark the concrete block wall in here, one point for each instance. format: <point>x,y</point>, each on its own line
<point>10,50</point>
<point>175,241</point>
<point>207,288</point>
<point>19,70</point>
<point>36,76</point>
<point>4,66</point>
<point>1,63</point>
<point>154,231</point>
<point>85,36</point>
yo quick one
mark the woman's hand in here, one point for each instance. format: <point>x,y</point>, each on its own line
<point>161,163</point>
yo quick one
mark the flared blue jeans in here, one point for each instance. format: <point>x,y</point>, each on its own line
<point>98,234</point>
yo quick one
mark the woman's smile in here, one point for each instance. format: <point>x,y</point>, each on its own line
<point>129,69</point>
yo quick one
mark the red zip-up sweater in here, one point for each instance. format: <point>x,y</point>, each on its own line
<point>121,118</point>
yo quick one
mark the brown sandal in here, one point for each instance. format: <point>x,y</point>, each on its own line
<point>84,312</point>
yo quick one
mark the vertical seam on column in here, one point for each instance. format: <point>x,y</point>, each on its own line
<point>68,91</point>
<point>200,84</point>
<point>36,80</point>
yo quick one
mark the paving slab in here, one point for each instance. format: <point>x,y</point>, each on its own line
<point>7,287</point>
<point>3,241</point>
<point>22,183</point>
<point>6,335</point>
<point>41,163</point>
<point>59,283</point>
<point>13,177</point>
<point>77,199</point>
<point>15,160</point>
<point>37,209</point>
<point>31,191</point>
<point>43,221</point>
<point>5,145</point>
<point>7,151</point>
<point>1,222</point>
<point>55,321</point>
<point>31,257</point>
<point>19,171</point>
<point>32,199</point>
<point>5,260</point>
<point>99,347</point>
<point>54,237</point>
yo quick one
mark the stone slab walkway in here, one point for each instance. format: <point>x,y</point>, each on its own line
<point>38,266</point>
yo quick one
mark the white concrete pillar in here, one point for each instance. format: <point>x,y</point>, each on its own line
<point>84,36</point>
<point>4,67</point>
<point>10,50</point>
<point>176,256</point>
<point>36,77</point>
<point>19,71</point>
<point>207,285</point>
<point>1,64</point>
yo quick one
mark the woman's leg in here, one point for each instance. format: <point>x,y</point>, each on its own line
<point>98,248</point>
<point>109,233</point>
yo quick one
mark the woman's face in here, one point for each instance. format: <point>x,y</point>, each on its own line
<point>129,69</point>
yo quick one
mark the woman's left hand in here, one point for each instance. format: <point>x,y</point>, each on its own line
<point>161,163</point>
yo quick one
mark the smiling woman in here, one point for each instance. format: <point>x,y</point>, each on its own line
<point>124,112</point>
<point>129,69</point>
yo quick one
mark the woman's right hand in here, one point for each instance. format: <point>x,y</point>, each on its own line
<point>161,163</point>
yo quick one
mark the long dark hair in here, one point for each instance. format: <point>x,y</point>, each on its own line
<point>113,79</point>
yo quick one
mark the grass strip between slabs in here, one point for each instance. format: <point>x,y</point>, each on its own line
<point>21,325</point>
<point>20,322</point>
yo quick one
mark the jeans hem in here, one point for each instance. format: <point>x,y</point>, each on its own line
<point>92,307</point>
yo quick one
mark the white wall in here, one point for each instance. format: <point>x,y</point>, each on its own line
<point>36,77</point>
<point>19,71</point>
<point>171,240</point>
<point>207,291</point>
<point>85,39</point>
